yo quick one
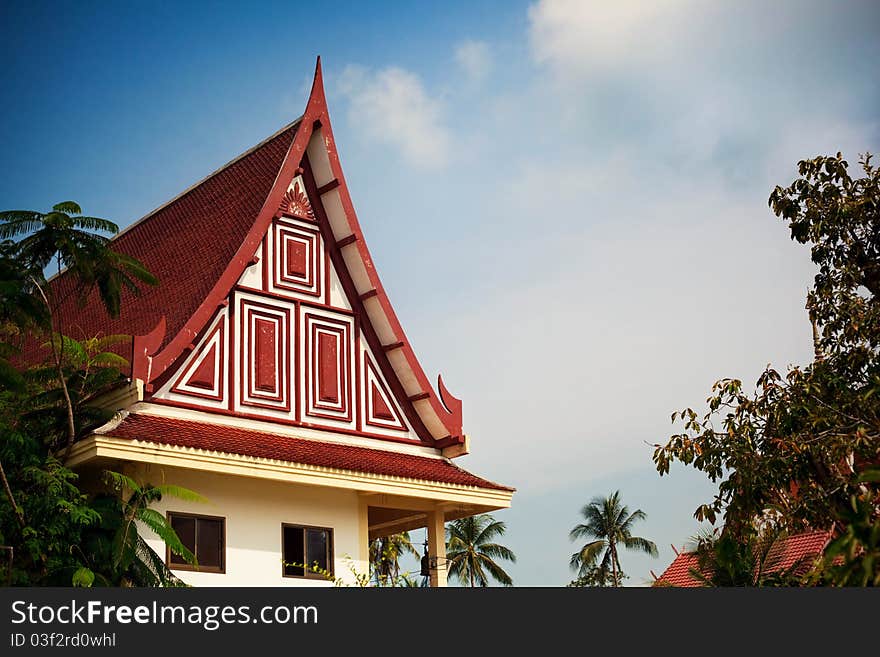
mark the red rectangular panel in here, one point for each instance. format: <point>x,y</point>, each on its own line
<point>328,359</point>
<point>296,263</point>
<point>265,355</point>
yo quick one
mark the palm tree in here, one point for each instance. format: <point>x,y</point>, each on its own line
<point>385,554</point>
<point>469,553</point>
<point>116,552</point>
<point>609,524</point>
<point>64,237</point>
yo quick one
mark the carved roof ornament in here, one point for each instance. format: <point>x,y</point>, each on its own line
<point>296,202</point>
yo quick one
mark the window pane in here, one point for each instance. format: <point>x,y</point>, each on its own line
<point>293,551</point>
<point>317,548</point>
<point>185,527</point>
<point>209,543</point>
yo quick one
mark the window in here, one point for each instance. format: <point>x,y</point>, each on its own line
<point>205,536</point>
<point>306,545</point>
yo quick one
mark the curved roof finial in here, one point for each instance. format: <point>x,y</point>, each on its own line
<point>317,82</point>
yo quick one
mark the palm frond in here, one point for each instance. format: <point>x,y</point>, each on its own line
<point>19,222</point>
<point>497,572</point>
<point>589,553</point>
<point>100,344</point>
<point>67,207</point>
<point>162,528</point>
<point>181,493</point>
<point>638,514</point>
<point>475,566</point>
<point>584,531</point>
<point>490,530</point>
<point>109,359</point>
<point>119,480</point>
<point>498,552</point>
<point>640,544</point>
<point>96,223</point>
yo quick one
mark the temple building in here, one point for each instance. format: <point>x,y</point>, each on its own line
<point>270,374</point>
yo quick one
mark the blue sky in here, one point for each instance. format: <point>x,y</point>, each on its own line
<point>567,201</point>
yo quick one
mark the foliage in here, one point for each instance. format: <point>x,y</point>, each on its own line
<point>64,236</point>
<point>609,524</point>
<point>852,558</point>
<point>115,552</point>
<point>471,556</point>
<point>726,561</point>
<point>385,554</point>
<point>361,580</point>
<point>45,516</point>
<point>790,454</point>
<point>90,370</point>
<point>50,512</point>
<point>67,238</point>
<point>593,576</point>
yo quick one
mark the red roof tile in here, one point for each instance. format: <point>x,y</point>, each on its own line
<point>679,572</point>
<point>245,442</point>
<point>187,244</point>
<point>798,549</point>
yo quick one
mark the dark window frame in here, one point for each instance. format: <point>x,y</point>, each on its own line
<point>221,570</point>
<point>307,574</point>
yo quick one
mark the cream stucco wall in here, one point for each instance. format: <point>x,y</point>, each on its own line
<point>254,511</point>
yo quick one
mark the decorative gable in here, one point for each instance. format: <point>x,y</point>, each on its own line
<point>294,351</point>
<point>310,336</point>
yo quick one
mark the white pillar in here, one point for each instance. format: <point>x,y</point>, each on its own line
<point>437,546</point>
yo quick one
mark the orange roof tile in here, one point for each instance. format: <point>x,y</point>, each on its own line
<point>785,553</point>
<point>259,444</point>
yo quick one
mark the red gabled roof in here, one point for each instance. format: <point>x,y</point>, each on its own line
<point>199,244</point>
<point>785,553</point>
<point>797,550</point>
<point>679,572</point>
<point>187,244</point>
<point>245,442</point>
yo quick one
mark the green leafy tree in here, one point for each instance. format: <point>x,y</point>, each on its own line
<point>852,557</point>
<point>115,552</point>
<point>593,576</point>
<point>385,555</point>
<point>792,453</point>
<point>49,517</point>
<point>471,555</point>
<point>608,524</point>
<point>46,515</point>
<point>66,238</point>
<point>90,370</point>
<point>47,512</point>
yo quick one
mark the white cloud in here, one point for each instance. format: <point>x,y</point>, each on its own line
<point>610,252</point>
<point>623,321</point>
<point>475,59</point>
<point>391,106</point>
<point>582,35</point>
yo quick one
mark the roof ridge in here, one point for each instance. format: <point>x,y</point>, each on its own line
<point>193,187</point>
<point>198,184</point>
